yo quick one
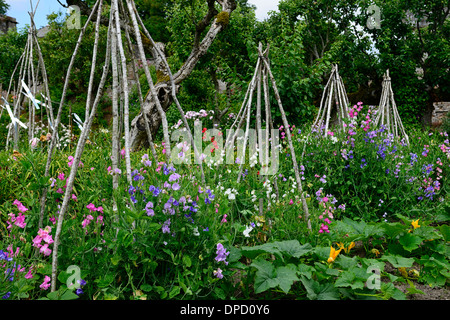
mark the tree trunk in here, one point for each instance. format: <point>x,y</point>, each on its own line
<point>138,135</point>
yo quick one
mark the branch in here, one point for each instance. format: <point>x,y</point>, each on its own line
<point>220,21</point>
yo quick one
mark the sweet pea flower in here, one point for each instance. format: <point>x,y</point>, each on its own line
<point>46,284</point>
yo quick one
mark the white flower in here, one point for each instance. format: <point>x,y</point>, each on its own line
<point>247,230</point>
<point>196,233</point>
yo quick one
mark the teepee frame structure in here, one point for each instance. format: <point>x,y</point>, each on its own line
<point>27,87</point>
<point>334,99</point>
<point>260,82</point>
<point>387,113</point>
<point>123,17</point>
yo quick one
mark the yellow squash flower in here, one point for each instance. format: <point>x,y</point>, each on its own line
<point>415,224</point>
<point>346,250</point>
<point>333,254</point>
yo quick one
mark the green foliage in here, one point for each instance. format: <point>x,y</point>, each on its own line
<point>3,7</point>
<point>12,45</point>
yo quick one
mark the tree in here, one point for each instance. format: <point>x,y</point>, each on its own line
<point>12,45</point>
<point>413,43</point>
<point>306,37</point>
<point>216,17</point>
<point>3,7</point>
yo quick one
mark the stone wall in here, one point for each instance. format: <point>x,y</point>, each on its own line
<point>440,112</point>
<point>7,23</point>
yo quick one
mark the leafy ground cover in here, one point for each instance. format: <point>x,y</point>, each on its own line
<point>379,211</point>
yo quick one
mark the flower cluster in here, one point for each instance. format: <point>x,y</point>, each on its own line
<point>46,284</point>
<point>43,235</point>
<point>328,204</point>
<point>222,254</point>
<point>20,219</point>
<point>89,218</point>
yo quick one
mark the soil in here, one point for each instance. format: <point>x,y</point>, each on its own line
<point>430,293</point>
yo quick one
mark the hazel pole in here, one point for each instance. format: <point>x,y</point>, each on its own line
<point>286,128</point>
<point>252,84</point>
<point>78,152</point>
<point>126,113</point>
<point>58,117</point>
<point>115,112</point>
<point>135,17</point>
<point>141,99</point>
<point>154,96</point>
<point>269,125</point>
<point>321,102</point>
<point>48,104</point>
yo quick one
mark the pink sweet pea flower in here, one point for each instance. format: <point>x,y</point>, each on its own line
<point>91,207</point>
<point>46,284</point>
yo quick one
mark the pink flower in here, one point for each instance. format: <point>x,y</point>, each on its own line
<point>85,223</point>
<point>29,275</point>
<point>20,206</point>
<point>291,202</point>
<point>74,197</point>
<point>46,284</point>
<point>324,199</point>
<point>100,219</point>
<point>122,152</point>
<point>70,161</point>
<point>37,242</point>
<point>61,176</point>
<point>20,221</point>
<point>45,250</point>
<point>91,207</point>
<point>100,209</point>
<point>224,219</point>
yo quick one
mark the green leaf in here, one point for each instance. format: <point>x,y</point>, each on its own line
<point>146,287</point>
<point>187,261</point>
<point>412,288</point>
<point>115,260</point>
<point>286,276</point>
<point>69,295</point>
<point>392,230</point>
<point>317,291</point>
<point>445,230</point>
<point>235,254</point>
<point>265,277</point>
<point>174,292</point>
<point>305,270</point>
<point>410,242</point>
<point>398,261</point>
<point>293,248</point>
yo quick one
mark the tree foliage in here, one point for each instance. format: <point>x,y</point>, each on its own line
<point>3,7</point>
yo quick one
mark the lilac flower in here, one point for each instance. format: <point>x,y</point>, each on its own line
<point>218,273</point>
<point>221,254</point>
<point>165,227</point>
<point>174,177</point>
<point>149,209</point>
<point>176,186</point>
